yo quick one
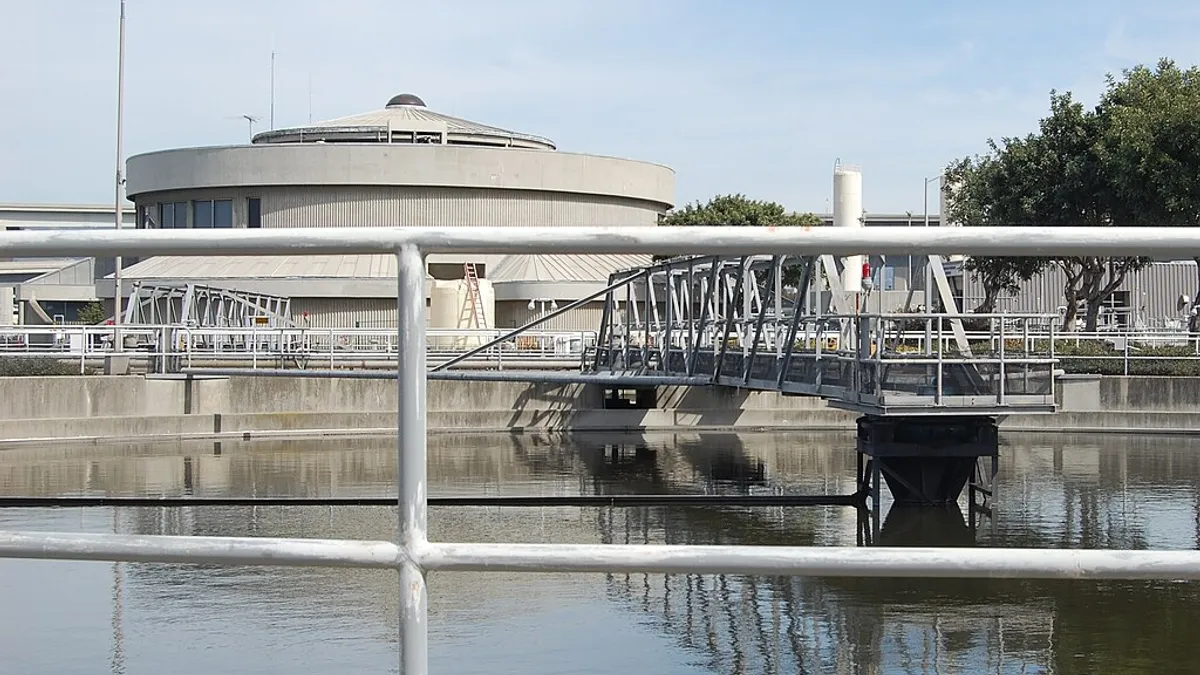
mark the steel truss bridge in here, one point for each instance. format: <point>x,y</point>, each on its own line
<point>733,321</point>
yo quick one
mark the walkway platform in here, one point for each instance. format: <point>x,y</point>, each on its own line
<point>728,320</point>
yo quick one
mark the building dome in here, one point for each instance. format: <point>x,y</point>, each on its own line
<point>405,99</point>
<point>405,119</point>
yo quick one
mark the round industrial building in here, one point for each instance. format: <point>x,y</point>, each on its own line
<point>402,165</point>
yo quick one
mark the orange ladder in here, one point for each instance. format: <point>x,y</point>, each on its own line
<point>473,294</point>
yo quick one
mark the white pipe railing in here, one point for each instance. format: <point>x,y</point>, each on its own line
<point>255,346</point>
<point>413,555</point>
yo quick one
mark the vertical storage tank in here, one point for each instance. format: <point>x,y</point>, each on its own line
<point>848,212</point>
<point>7,305</point>
<point>450,309</point>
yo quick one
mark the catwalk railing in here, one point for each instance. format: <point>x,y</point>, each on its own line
<point>169,348</point>
<point>871,363</point>
<point>413,555</point>
<point>729,318</point>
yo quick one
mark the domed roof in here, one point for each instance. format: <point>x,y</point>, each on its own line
<point>405,119</point>
<point>405,99</point>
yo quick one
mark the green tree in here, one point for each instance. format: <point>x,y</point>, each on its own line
<point>975,202</point>
<point>1077,170</point>
<point>1151,148</point>
<point>738,210</point>
<point>92,314</point>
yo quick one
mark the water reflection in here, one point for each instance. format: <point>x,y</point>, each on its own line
<point>1053,491</point>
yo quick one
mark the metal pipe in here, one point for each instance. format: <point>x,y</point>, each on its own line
<point>540,320</point>
<point>1167,242</point>
<point>613,501</point>
<point>768,560</point>
<point>531,376</point>
<point>119,199</point>
<point>200,550</point>
<point>411,462</point>
<point>730,313</point>
<point>708,295</point>
<point>799,305</point>
<point>817,561</point>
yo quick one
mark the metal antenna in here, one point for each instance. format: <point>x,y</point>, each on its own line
<point>250,120</point>
<point>272,81</point>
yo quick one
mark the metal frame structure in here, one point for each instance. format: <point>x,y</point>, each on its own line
<point>196,305</point>
<point>727,319</point>
<point>413,555</point>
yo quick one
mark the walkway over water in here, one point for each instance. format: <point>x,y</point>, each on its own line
<point>730,320</point>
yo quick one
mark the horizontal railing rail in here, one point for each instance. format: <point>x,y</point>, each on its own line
<point>257,347</point>
<point>413,555</point>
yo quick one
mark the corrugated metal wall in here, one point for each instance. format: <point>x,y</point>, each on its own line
<point>345,312</point>
<point>381,313</point>
<point>1153,291</point>
<point>510,314</point>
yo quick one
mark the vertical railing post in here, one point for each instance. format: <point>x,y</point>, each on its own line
<point>664,350</point>
<point>941,348</point>
<point>1002,370</point>
<point>411,395</point>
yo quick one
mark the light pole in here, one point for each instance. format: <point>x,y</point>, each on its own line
<point>928,271</point>
<point>118,201</point>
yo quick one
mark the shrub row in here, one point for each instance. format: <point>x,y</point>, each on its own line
<point>35,366</point>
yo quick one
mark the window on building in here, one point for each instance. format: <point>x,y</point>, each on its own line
<point>172,215</point>
<point>253,212</point>
<point>208,213</point>
<point>202,214</point>
<point>223,213</point>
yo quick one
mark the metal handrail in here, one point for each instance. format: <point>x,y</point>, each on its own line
<point>413,555</point>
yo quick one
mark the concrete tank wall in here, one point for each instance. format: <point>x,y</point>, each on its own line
<point>95,407</point>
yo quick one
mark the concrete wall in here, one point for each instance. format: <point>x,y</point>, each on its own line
<point>87,406</point>
<point>1086,393</point>
<point>100,406</point>
<point>385,164</point>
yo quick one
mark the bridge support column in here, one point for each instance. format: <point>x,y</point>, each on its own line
<point>926,461</point>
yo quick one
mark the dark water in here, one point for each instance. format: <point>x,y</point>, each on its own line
<point>80,617</point>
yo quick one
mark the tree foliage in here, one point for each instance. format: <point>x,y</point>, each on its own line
<point>92,314</point>
<point>1133,159</point>
<point>739,210</point>
<point>1151,147</point>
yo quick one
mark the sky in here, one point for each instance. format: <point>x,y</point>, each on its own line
<point>757,97</point>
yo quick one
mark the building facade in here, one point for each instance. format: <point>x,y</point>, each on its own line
<point>402,165</point>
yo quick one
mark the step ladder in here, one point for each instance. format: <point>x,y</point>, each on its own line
<point>474,296</point>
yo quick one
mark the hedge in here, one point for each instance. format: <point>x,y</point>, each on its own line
<point>35,366</point>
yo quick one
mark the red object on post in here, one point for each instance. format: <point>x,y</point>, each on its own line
<point>866,270</point>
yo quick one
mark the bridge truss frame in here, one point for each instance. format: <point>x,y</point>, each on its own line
<point>727,319</point>
<point>414,556</point>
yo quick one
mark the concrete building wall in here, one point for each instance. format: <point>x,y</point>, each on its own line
<point>393,206</point>
<point>387,165</point>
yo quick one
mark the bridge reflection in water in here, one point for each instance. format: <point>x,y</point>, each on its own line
<point>1058,492</point>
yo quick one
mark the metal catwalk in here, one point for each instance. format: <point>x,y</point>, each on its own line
<point>779,323</point>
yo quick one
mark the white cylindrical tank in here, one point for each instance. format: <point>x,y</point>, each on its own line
<point>7,305</point>
<point>848,212</point>
<point>450,308</point>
